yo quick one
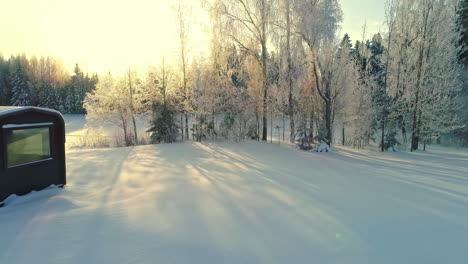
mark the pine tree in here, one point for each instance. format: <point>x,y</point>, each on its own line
<point>380,98</point>
<point>4,91</point>
<point>163,127</point>
<point>461,112</point>
<point>48,97</point>
<point>346,42</point>
<point>22,88</point>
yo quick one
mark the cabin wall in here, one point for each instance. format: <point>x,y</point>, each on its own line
<point>22,179</point>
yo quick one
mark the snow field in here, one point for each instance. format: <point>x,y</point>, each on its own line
<point>244,203</point>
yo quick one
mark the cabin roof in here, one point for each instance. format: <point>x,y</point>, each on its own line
<point>9,108</point>
<point>12,110</point>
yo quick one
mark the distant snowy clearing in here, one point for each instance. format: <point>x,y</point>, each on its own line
<point>244,203</point>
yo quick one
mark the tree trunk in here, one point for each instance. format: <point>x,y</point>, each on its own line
<point>181,16</point>
<point>403,133</point>
<point>257,121</point>
<point>271,126</point>
<point>182,126</point>
<point>124,127</point>
<point>414,133</point>
<point>289,72</point>
<point>186,127</point>
<point>415,127</point>
<point>343,135</point>
<point>382,139</point>
<point>414,142</point>
<point>327,100</point>
<point>241,137</point>
<point>127,142</point>
<point>195,134</point>
<point>213,122</point>
<point>284,123</point>
<point>311,124</point>
<point>135,129</point>
<point>291,119</point>
<point>328,124</point>
<point>132,110</point>
<point>264,70</point>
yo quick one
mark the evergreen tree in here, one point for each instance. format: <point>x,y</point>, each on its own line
<point>461,112</point>
<point>462,22</point>
<point>380,98</point>
<point>76,90</point>
<point>163,126</point>
<point>4,88</point>
<point>48,97</point>
<point>22,88</point>
<point>346,42</point>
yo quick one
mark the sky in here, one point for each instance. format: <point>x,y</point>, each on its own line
<point>112,35</point>
<point>359,12</point>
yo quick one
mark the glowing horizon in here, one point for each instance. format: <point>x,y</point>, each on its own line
<point>112,35</point>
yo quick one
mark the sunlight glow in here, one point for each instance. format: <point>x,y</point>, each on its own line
<point>100,35</point>
<point>112,35</point>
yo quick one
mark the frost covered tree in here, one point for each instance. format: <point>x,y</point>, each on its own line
<point>4,75</point>
<point>205,98</point>
<point>133,104</point>
<point>317,23</point>
<point>183,27</point>
<point>22,88</point>
<point>461,109</point>
<point>47,96</point>
<point>248,24</point>
<point>163,124</point>
<point>110,103</point>
<point>376,74</point>
<point>370,103</point>
<point>49,83</point>
<point>423,71</point>
<point>290,59</point>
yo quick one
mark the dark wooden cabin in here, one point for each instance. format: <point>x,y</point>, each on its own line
<point>32,155</point>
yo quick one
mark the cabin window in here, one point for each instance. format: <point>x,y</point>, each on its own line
<point>26,144</point>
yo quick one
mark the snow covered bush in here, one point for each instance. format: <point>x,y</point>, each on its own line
<point>321,147</point>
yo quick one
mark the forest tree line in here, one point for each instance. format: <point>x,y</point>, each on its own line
<point>285,59</point>
<point>43,82</point>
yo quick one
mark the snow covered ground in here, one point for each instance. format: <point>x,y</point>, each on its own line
<point>82,133</point>
<point>244,203</point>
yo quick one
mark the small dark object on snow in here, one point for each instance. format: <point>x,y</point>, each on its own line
<point>33,150</point>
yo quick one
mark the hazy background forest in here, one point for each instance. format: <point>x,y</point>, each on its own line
<point>286,61</point>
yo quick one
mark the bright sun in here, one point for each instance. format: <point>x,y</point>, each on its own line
<point>104,35</point>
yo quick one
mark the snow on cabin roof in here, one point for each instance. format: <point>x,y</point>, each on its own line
<point>8,108</point>
<point>5,110</point>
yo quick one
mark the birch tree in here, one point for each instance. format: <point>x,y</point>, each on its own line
<point>423,71</point>
<point>248,24</point>
<point>131,90</point>
<point>317,23</point>
<point>109,103</point>
<point>183,13</point>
